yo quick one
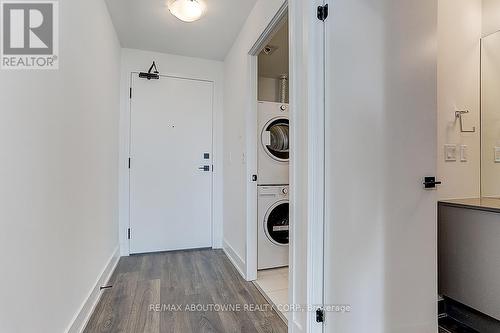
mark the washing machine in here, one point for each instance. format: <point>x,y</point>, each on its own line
<point>273,227</point>
<point>274,142</point>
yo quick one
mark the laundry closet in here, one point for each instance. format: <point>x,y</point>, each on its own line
<point>273,152</point>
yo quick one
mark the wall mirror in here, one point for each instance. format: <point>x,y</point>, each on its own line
<point>490,115</point>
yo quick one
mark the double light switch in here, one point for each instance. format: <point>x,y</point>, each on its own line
<point>451,153</point>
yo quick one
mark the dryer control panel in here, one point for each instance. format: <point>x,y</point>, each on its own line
<point>277,191</point>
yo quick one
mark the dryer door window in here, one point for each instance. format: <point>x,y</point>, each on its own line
<point>276,223</point>
<point>275,139</point>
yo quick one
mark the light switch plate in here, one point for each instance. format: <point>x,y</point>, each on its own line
<point>497,154</point>
<point>450,153</point>
<point>463,153</point>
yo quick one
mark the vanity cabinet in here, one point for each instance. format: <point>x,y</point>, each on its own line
<point>469,253</point>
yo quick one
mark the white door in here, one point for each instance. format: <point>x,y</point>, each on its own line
<point>380,223</point>
<point>171,139</point>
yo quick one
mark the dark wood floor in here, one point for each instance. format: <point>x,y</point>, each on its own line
<point>203,277</point>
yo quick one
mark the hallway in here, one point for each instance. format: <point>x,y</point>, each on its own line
<point>177,279</point>
<point>223,166</point>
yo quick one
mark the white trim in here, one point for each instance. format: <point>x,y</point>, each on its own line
<point>251,152</point>
<point>252,141</point>
<point>81,318</point>
<point>235,259</point>
<point>316,170</point>
<point>316,210</point>
<point>306,161</point>
<point>268,33</point>
<point>217,170</point>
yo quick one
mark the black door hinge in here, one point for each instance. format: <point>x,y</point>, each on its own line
<point>105,287</point>
<point>320,315</point>
<point>128,233</point>
<point>130,92</point>
<point>129,162</point>
<point>323,12</point>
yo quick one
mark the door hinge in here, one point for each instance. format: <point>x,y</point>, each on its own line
<point>323,12</point>
<point>129,162</point>
<point>320,315</point>
<point>128,233</point>
<point>130,92</point>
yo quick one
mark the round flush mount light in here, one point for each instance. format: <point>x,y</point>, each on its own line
<point>187,10</point>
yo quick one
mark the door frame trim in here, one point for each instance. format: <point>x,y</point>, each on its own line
<point>307,110</point>
<point>253,140</point>
<point>307,190</point>
<point>215,223</point>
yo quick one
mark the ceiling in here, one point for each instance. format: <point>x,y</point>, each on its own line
<point>276,64</point>
<point>148,25</point>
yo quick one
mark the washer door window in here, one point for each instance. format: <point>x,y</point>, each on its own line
<point>275,139</point>
<point>276,223</point>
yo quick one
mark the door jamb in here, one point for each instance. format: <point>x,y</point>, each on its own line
<point>312,51</point>
<point>251,142</point>
<point>307,111</point>
<point>307,182</point>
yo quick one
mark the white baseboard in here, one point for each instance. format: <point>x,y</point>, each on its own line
<point>83,315</point>
<point>235,259</point>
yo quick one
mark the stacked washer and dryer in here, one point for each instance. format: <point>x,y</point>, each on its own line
<point>273,204</point>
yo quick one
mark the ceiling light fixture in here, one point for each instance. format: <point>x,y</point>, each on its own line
<point>187,10</point>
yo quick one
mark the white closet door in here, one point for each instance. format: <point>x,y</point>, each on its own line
<point>170,196</point>
<point>380,237</point>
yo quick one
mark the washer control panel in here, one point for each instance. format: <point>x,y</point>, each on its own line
<point>277,191</point>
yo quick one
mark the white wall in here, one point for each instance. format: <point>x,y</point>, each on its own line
<point>491,16</point>
<point>459,33</point>
<point>196,68</point>
<point>237,77</point>
<point>58,198</point>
